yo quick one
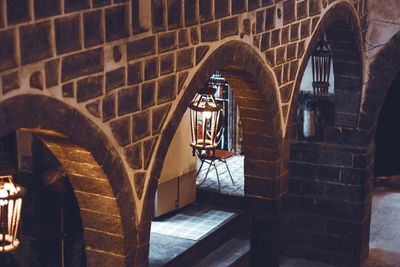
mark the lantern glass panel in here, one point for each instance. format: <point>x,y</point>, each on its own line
<point>11,196</point>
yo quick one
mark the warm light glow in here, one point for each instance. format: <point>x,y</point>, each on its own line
<point>10,211</point>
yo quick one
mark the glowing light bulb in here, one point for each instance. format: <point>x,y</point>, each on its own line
<point>207,115</point>
<point>3,193</point>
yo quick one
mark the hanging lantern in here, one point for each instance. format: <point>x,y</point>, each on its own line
<point>11,196</point>
<point>218,82</point>
<point>204,119</point>
<point>321,67</point>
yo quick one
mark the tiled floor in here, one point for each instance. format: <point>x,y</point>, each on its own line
<point>174,235</point>
<point>235,164</point>
<point>192,223</point>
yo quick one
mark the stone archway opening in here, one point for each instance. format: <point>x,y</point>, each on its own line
<point>100,208</point>
<point>255,94</point>
<point>326,180</point>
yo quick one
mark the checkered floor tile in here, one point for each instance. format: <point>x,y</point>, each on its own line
<point>192,223</point>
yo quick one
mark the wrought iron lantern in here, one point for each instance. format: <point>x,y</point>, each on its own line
<point>204,118</point>
<point>321,67</point>
<point>11,196</point>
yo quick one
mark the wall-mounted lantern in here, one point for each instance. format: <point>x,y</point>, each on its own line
<point>204,119</point>
<point>11,196</point>
<point>321,67</point>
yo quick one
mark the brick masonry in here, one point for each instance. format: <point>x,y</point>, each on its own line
<point>133,78</point>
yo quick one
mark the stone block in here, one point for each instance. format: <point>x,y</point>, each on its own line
<point>305,28</point>
<point>288,11</point>
<point>302,11</point>
<point>314,7</point>
<point>183,39</point>
<point>17,11</point>
<point>291,50</point>
<point>93,28</point>
<point>253,4</point>
<point>191,13</point>
<point>159,115</point>
<point>194,35</point>
<point>128,100</point>
<point>167,41</point>
<point>265,42</point>
<point>36,80</point>
<point>151,68</point>
<point>117,23</point>
<point>275,38</point>
<point>8,57</point>
<point>74,5</point>
<point>99,3</point>
<point>285,35</point>
<point>68,90</point>
<point>121,130</point>
<point>140,48</point>
<point>108,107</point>
<point>135,73</point>
<point>89,88</point>
<point>46,8</point>
<point>229,27</point>
<point>140,125</point>
<point>294,32</point>
<point>270,18</point>
<point>82,64</point>
<point>133,154</point>
<point>166,89</point>
<point>221,8</point>
<point>174,14</point>
<point>238,6</point>
<point>184,59</point>
<point>205,9</point>
<point>148,94</point>
<point>148,148</point>
<point>157,11</point>
<point>10,82</point>
<point>167,63</point>
<point>67,31</point>
<point>35,42</point>
<point>115,78</point>
<point>210,32</point>
<point>51,69</point>
<point>260,21</point>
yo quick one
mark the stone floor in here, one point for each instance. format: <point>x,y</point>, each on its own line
<point>385,229</point>
<point>235,165</point>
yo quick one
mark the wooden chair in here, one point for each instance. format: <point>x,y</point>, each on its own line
<point>211,157</point>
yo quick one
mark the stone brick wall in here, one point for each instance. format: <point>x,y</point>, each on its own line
<point>130,67</point>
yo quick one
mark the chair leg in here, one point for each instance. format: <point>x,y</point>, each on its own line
<point>201,165</point>
<point>230,175</point>
<point>209,166</point>
<point>216,171</point>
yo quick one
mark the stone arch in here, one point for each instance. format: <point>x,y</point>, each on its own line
<point>341,25</point>
<point>254,88</point>
<point>111,237</point>
<point>382,73</point>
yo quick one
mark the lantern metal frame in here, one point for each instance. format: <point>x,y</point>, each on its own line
<point>11,195</point>
<point>204,119</point>
<point>321,61</point>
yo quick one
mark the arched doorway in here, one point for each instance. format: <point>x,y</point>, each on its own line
<point>255,92</point>
<point>97,175</point>
<point>326,184</point>
<point>379,119</point>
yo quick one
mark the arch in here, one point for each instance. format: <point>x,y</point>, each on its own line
<point>110,238</point>
<point>382,73</point>
<point>341,25</point>
<point>255,91</point>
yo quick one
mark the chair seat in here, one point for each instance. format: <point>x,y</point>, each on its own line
<point>217,155</point>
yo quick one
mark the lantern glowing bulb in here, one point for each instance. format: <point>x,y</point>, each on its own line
<point>11,196</point>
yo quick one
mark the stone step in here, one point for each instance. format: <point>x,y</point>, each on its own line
<point>221,200</point>
<point>234,253</point>
<point>211,242</point>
